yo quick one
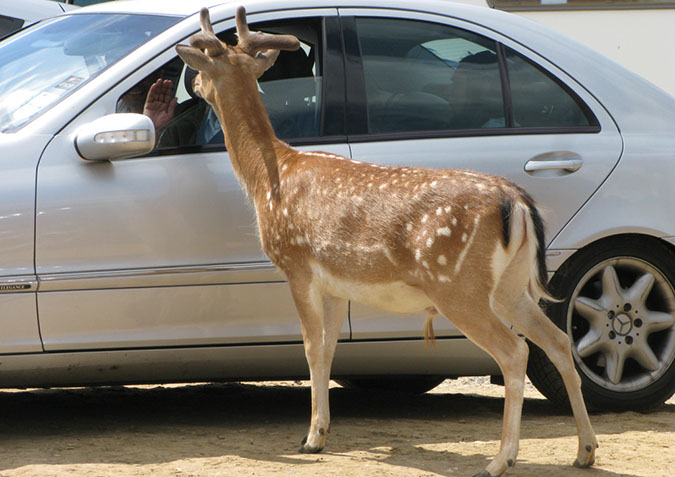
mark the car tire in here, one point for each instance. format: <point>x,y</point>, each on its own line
<point>404,384</point>
<point>619,311</point>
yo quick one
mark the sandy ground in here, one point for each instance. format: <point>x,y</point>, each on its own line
<point>254,429</point>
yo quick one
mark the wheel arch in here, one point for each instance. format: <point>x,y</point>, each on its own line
<point>609,240</point>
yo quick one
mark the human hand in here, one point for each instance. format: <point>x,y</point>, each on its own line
<point>160,104</point>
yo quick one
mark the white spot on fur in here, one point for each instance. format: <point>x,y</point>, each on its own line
<point>448,209</point>
<point>418,254</point>
<point>434,184</point>
<point>286,212</point>
<point>425,264</point>
<point>464,251</point>
<point>443,278</point>
<point>382,186</point>
<point>439,211</point>
<point>442,260</point>
<point>444,231</point>
<point>425,218</point>
<point>388,254</point>
<point>430,242</point>
<point>409,227</point>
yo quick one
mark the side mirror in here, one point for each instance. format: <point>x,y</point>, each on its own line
<point>115,136</point>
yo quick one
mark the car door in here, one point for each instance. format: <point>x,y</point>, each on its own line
<point>162,250</point>
<point>444,93</point>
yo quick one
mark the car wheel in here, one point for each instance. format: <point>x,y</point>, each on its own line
<point>405,384</point>
<point>619,311</point>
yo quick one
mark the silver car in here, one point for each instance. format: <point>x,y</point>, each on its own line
<point>16,15</point>
<point>128,253</point>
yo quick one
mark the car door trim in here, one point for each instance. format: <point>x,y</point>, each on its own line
<point>219,274</point>
<point>18,284</point>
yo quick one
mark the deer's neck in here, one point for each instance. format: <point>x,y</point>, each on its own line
<point>249,136</point>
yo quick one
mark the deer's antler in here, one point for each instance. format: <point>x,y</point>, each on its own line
<point>253,42</point>
<point>207,39</point>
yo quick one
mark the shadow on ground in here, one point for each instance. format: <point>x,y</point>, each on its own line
<point>265,424</point>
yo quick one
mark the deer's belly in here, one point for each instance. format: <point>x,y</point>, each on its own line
<point>394,296</point>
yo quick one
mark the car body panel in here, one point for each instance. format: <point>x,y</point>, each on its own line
<point>238,362</point>
<point>18,283</point>
<point>18,163</point>
<point>559,194</point>
<point>595,220</point>
<point>18,321</point>
<point>148,214</point>
<point>150,269</point>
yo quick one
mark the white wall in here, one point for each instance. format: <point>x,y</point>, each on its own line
<point>642,40</point>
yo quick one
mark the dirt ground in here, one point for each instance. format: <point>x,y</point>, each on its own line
<point>254,429</point>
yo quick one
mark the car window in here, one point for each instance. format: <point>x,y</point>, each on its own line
<point>290,90</point>
<point>541,101</point>
<point>9,25</point>
<point>42,64</point>
<point>422,76</point>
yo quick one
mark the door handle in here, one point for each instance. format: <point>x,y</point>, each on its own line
<point>563,161</point>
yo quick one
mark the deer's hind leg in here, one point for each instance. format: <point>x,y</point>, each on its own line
<point>482,326</point>
<point>321,317</point>
<point>527,318</point>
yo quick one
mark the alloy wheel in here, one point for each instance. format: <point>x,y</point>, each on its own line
<point>622,322</point>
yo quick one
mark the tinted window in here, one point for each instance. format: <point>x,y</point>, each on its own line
<point>9,25</point>
<point>423,76</point>
<point>539,100</point>
<point>290,90</point>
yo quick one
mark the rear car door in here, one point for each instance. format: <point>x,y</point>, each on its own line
<point>162,250</point>
<point>434,91</point>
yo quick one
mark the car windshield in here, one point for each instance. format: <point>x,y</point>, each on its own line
<point>42,65</point>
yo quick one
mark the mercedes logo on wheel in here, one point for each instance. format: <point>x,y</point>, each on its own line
<point>622,324</point>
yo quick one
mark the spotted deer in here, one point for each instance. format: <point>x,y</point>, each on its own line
<point>405,239</point>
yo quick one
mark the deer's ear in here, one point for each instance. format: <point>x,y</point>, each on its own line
<point>193,57</point>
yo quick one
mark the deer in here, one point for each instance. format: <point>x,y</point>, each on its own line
<point>458,243</point>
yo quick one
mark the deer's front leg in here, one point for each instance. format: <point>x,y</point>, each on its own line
<point>321,318</point>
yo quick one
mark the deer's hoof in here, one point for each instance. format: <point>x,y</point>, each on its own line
<point>582,465</point>
<point>485,473</point>
<point>586,456</point>
<point>307,449</point>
